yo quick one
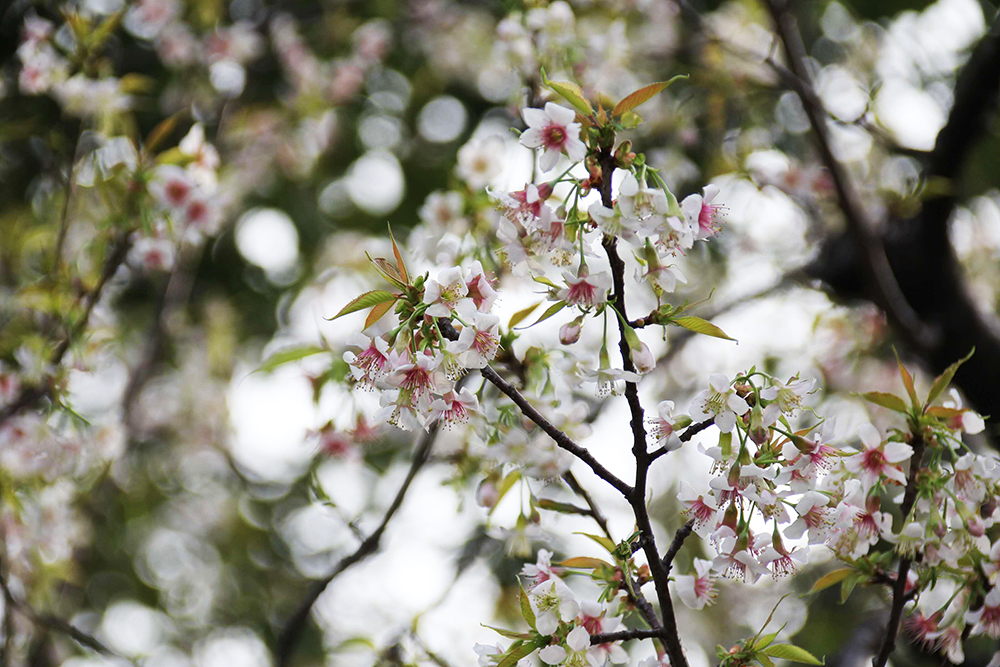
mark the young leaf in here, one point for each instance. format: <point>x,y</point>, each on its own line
<point>698,325</point>
<point>631,337</point>
<point>378,311</point>
<point>366,300</point>
<point>643,95</point>
<point>766,640</point>
<point>520,315</point>
<point>526,610</point>
<point>509,634</point>
<point>549,312</point>
<point>282,357</point>
<point>584,563</point>
<point>907,380</point>
<point>520,650</point>
<point>388,271</point>
<point>942,381</point>
<point>830,579</point>
<point>792,653</point>
<point>160,132</point>
<point>890,401</point>
<point>603,541</point>
<point>764,660</point>
<point>572,93</point>
<point>847,587</point>
<point>400,266</point>
<point>563,508</point>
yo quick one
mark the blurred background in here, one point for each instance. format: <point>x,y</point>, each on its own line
<point>182,496</point>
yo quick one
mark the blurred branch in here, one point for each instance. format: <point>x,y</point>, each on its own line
<point>28,397</point>
<point>887,292</point>
<point>622,635</point>
<point>175,294</point>
<point>50,622</point>
<point>293,628</point>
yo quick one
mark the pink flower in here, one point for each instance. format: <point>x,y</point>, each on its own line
<point>701,508</point>
<point>987,617</point>
<point>702,215</point>
<point>875,460</point>
<point>172,187</point>
<point>541,571</point>
<point>370,364</point>
<point>455,407</point>
<point>527,207</point>
<point>478,343</point>
<point>554,131</point>
<point>480,289</point>
<point>585,289</point>
<point>663,426</point>
<point>697,590</point>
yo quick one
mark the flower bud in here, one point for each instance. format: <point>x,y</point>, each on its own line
<point>643,359</point>
<point>569,333</point>
<point>487,494</point>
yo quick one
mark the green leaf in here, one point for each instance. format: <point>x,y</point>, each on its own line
<point>378,311</point>
<point>698,325</point>
<point>545,281</point>
<point>282,357</point>
<point>564,508</point>
<point>520,650</point>
<point>792,653</point>
<point>890,401</point>
<point>765,640</point>
<point>571,92</point>
<point>512,477</point>
<point>509,634</point>
<point>764,660</point>
<point>520,315</point>
<point>643,95</point>
<point>549,312</point>
<point>603,541</point>
<point>830,579</point>
<point>847,587</point>
<point>366,300</point>
<point>526,610</point>
<point>630,120</point>
<point>942,381</point>
<point>584,563</point>
<point>387,271</point>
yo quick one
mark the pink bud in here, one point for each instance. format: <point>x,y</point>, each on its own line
<point>569,333</point>
<point>487,495</point>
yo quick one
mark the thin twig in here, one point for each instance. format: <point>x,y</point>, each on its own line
<point>291,632</point>
<point>622,635</point>
<point>682,534</point>
<point>899,586</point>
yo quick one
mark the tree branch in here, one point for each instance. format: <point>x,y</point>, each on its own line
<point>899,585</point>
<point>623,635</point>
<point>293,628</point>
<point>682,534</point>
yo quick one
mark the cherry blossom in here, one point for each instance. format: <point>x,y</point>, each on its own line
<point>720,402</point>
<point>875,461</point>
<point>704,216</point>
<point>585,289</point>
<point>696,590</point>
<point>555,131</point>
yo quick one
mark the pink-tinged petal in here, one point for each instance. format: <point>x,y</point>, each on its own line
<point>559,114</point>
<point>548,159</point>
<point>532,137</point>
<point>897,451</point>
<point>535,118</point>
<point>869,436</point>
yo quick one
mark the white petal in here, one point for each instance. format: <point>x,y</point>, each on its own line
<point>553,655</point>
<point>548,159</point>
<point>535,118</point>
<point>578,638</point>
<point>532,137</point>
<point>710,191</point>
<point>559,114</point>
<point>869,436</point>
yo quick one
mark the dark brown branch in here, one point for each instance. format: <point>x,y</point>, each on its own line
<point>637,499</point>
<point>560,438</point>
<point>682,534</point>
<point>899,585</point>
<point>622,635</point>
<point>634,594</point>
<point>289,636</point>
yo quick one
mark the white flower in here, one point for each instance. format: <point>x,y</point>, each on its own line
<point>577,641</point>
<point>585,289</point>
<point>720,402</point>
<point>553,130</point>
<point>702,215</point>
<point>552,602</point>
<point>447,294</point>
<point>480,161</point>
<point>478,342</point>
